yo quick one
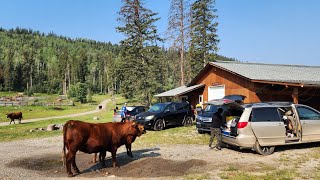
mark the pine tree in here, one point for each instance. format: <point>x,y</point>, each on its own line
<point>136,64</point>
<point>204,39</point>
<point>178,28</point>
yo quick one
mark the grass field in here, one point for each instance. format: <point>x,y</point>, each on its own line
<point>168,136</point>
<point>22,131</point>
<point>30,112</point>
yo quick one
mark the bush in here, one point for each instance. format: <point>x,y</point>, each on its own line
<point>89,97</point>
<point>29,92</point>
<point>78,92</point>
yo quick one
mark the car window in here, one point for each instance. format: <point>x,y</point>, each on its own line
<point>307,113</point>
<point>130,108</point>
<point>265,115</point>
<point>157,108</point>
<point>211,108</point>
<point>186,106</point>
<point>179,106</point>
<point>140,109</point>
<point>171,108</point>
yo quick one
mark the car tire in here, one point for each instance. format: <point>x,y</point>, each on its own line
<point>158,125</point>
<point>263,150</point>
<point>201,132</point>
<point>187,121</point>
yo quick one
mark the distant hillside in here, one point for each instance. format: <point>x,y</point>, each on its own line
<point>49,63</point>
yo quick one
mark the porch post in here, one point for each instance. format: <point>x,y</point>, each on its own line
<point>295,95</point>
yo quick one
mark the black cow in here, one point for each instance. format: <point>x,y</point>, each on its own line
<point>14,115</point>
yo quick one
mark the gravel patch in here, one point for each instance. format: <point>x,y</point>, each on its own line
<point>42,159</point>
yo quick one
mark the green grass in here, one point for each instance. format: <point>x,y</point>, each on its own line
<point>22,131</point>
<point>30,112</point>
<point>176,135</point>
<point>9,94</point>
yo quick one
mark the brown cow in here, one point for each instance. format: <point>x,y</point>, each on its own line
<point>94,138</point>
<point>15,115</point>
<point>130,139</point>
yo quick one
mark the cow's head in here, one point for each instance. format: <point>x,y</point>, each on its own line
<point>7,115</point>
<point>139,128</point>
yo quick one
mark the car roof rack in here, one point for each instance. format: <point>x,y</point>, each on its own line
<point>268,104</point>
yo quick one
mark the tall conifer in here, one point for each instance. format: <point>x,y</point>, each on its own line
<point>204,38</point>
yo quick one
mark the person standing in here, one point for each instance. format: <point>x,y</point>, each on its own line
<point>123,112</point>
<point>216,125</point>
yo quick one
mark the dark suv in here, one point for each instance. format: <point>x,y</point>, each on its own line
<point>230,104</point>
<point>131,112</point>
<point>165,114</point>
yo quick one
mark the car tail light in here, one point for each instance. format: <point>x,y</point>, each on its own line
<point>242,124</point>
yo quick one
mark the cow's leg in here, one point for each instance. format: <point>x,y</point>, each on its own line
<point>129,153</point>
<point>94,160</point>
<point>69,157</point>
<point>74,165</point>
<point>19,120</point>
<point>102,156</point>
<point>114,158</point>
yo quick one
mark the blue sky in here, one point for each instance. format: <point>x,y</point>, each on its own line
<point>267,31</point>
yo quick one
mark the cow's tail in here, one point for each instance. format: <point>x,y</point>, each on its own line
<point>65,127</point>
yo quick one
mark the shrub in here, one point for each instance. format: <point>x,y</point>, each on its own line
<point>78,92</point>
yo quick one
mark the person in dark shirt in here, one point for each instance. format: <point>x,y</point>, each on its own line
<point>217,123</point>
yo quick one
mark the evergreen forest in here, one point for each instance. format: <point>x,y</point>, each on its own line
<point>136,67</point>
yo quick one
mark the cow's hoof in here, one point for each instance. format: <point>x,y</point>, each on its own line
<point>70,175</point>
<point>130,155</point>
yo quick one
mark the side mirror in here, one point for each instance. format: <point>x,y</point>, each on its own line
<point>167,110</point>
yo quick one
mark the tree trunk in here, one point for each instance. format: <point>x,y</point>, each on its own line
<point>31,77</point>
<point>182,43</point>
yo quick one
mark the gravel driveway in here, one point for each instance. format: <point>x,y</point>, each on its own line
<point>41,159</point>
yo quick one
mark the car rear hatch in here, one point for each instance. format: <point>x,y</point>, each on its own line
<point>232,112</point>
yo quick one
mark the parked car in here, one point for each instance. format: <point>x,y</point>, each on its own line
<point>230,104</point>
<point>262,126</point>
<point>131,112</point>
<point>165,114</point>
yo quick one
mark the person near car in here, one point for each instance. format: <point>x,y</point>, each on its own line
<point>123,112</point>
<point>217,124</point>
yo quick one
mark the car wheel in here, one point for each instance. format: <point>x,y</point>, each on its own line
<point>158,125</point>
<point>263,150</point>
<point>187,121</point>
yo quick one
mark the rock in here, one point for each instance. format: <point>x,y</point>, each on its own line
<point>51,127</point>
<point>95,118</point>
<point>107,173</point>
<point>112,176</point>
<point>32,130</point>
<point>59,126</point>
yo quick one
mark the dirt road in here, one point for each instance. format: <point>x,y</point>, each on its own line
<point>41,159</point>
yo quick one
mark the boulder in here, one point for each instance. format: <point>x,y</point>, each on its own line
<point>51,127</point>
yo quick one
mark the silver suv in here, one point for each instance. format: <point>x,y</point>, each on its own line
<point>262,126</point>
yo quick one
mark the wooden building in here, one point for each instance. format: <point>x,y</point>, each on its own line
<point>258,82</point>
